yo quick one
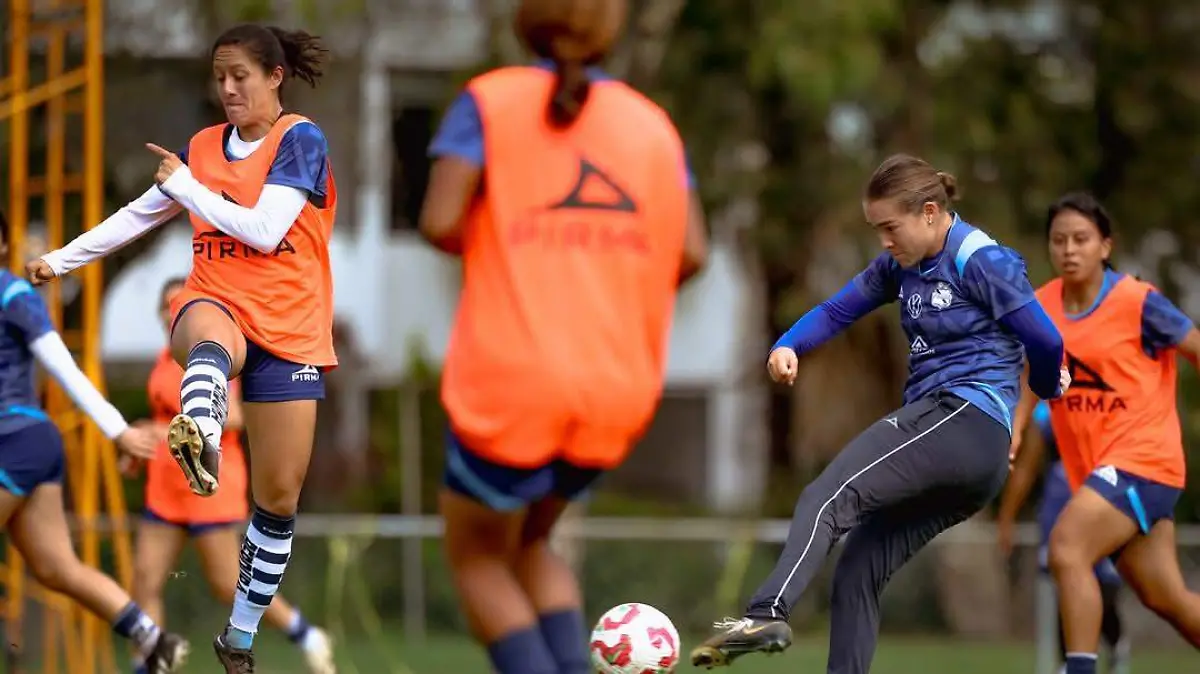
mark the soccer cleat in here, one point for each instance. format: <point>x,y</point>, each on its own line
<point>169,654</point>
<point>318,652</point>
<point>235,660</point>
<point>737,637</point>
<point>199,460</point>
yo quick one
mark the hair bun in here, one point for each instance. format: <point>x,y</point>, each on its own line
<point>950,184</point>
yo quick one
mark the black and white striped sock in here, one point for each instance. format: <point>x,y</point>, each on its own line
<point>203,395</point>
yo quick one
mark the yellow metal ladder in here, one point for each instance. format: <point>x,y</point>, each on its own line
<point>52,87</point>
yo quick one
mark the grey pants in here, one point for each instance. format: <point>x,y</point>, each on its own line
<point>907,478</point>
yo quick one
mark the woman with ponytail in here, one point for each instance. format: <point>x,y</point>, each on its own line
<point>567,194</point>
<point>258,303</point>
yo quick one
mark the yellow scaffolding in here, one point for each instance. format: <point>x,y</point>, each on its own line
<point>70,192</point>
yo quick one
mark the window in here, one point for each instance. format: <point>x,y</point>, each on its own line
<point>412,130</point>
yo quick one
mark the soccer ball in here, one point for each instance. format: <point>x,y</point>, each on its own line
<point>634,639</point>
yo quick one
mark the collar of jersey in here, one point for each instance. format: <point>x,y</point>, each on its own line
<point>1110,279</point>
<point>933,261</point>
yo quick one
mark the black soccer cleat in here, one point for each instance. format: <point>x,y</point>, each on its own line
<point>737,637</point>
<point>235,660</point>
<point>169,654</point>
<point>199,460</point>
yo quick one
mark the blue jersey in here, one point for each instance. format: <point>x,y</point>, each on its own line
<point>950,309</point>
<point>25,319</point>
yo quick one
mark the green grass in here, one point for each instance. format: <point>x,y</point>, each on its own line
<point>896,655</point>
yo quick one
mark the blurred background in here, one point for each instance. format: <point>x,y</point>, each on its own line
<point>785,108</point>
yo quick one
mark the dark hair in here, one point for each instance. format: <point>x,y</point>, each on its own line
<point>1087,205</point>
<point>574,34</point>
<point>911,182</point>
<point>299,53</point>
<point>173,282</point>
<point>3,228</point>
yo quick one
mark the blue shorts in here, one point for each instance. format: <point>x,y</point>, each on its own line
<point>505,489</point>
<point>1055,494</point>
<point>30,457</point>
<point>1143,501</point>
<point>267,378</point>
<point>193,529</point>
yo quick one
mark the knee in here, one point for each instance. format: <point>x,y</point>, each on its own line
<point>1068,554</point>
<point>279,495</point>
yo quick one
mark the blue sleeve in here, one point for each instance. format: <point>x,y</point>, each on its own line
<point>687,167</point>
<point>302,161</point>
<point>461,132</point>
<point>995,278</point>
<point>1043,347</point>
<point>182,154</point>
<point>827,319</point>
<point>24,309</point>
<point>1164,326</point>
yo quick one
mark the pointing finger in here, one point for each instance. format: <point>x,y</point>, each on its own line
<point>162,152</point>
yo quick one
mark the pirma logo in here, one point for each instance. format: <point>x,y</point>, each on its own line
<point>308,373</point>
<point>919,346</point>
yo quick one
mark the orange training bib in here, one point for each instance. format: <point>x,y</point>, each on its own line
<point>283,300</point>
<point>1121,407</point>
<point>570,271</point>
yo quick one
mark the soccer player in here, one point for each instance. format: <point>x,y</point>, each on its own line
<point>173,514</point>
<point>31,469</point>
<point>1118,431</point>
<point>567,194</point>
<point>970,317</point>
<point>258,302</point>
<point>1055,493</point>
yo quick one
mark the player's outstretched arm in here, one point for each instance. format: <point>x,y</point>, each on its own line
<point>141,215</point>
<point>52,354</point>
<point>872,288</point>
<point>25,313</point>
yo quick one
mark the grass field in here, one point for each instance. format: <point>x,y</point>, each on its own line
<point>444,655</point>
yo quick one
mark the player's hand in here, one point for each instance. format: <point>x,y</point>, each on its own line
<point>137,442</point>
<point>169,162</point>
<point>39,271</point>
<point>1064,381</point>
<point>129,466</point>
<point>1013,448</point>
<point>783,365</point>
<point>1004,535</point>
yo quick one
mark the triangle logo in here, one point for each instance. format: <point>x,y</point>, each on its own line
<point>1085,377</point>
<point>594,190</point>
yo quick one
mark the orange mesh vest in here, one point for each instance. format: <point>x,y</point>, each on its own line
<point>570,269</point>
<point>167,491</point>
<point>1121,407</point>
<point>283,300</point>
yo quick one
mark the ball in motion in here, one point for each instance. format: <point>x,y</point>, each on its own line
<point>634,639</point>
